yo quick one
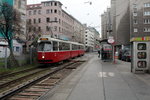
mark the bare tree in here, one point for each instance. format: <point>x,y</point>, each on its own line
<point>9,26</point>
<point>33,32</point>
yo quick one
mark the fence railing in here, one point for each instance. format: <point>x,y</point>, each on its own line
<point>23,59</point>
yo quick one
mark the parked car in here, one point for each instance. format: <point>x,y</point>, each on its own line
<point>126,56</point>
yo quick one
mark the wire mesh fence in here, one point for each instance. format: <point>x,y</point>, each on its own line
<point>25,58</point>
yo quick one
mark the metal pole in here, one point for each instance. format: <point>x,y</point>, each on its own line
<point>6,57</point>
<point>30,55</point>
<point>114,53</point>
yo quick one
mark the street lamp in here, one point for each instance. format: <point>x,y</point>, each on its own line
<point>89,2</point>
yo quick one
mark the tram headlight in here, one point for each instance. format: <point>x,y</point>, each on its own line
<point>43,57</point>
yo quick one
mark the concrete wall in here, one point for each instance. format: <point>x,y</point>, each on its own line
<point>122,22</point>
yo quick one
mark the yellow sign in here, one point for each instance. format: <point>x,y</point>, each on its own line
<point>147,38</point>
<point>43,38</point>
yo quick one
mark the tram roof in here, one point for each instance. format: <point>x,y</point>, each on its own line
<point>54,39</point>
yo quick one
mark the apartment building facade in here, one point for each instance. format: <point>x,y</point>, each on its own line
<point>117,19</point>
<point>140,18</point>
<point>20,5</point>
<point>96,38</point>
<point>129,18</point>
<point>91,39</point>
<point>105,24</point>
<point>48,17</point>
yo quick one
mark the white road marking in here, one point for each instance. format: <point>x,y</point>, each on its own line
<point>105,74</point>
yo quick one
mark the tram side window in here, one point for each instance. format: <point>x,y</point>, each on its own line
<point>81,47</point>
<point>78,47</point>
<point>64,46</point>
<point>74,47</point>
<point>55,46</point>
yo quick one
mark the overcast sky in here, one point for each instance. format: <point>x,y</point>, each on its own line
<point>82,10</point>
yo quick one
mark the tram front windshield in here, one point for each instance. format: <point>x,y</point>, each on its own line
<point>45,46</point>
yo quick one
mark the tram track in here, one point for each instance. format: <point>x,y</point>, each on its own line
<point>11,81</point>
<point>37,86</point>
<point>15,73</point>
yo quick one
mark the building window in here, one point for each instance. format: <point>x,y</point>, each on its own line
<point>34,29</point>
<point>51,3</point>
<point>55,4</point>
<point>30,12</point>
<point>17,49</point>
<point>46,4</point>
<point>30,21</point>
<point>39,20</point>
<point>147,13</point>
<point>55,18</point>
<point>34,20</point>
<point>59,29</point>
<point>146,29</point>
<point>55,28</point>
<point>47,19</point>
<point>34,12</point>
<point>134,13</point>
<point>59,12</point>
<point>47,11</point>
<point>134,5</point>
<point>39,28</point>
<point>39,11</point>
<point>135,21</point>
<point>55,11</point>
<point>51,10</point>
<point>135,30</point>
<point>47,28</point>
<point>30,29</point>
<point>59,21</point>
<point>146,21</point>
<point>146,5</point>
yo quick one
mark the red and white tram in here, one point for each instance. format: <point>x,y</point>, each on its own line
<point>51,50</point>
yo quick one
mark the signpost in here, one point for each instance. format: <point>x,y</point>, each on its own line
<point>112,41</point>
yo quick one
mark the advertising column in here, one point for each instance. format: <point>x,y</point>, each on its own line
<point>140,56</point>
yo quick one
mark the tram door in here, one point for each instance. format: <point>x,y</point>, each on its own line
<point>140,57</point>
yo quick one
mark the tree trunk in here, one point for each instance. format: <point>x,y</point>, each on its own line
<point>12,62</point>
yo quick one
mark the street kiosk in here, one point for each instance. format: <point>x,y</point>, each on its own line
<point>140,47</point>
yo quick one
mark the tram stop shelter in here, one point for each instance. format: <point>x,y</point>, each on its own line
<point>106,50</point>
<point>140,53</point>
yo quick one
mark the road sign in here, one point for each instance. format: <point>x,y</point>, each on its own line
<point>111,40</point>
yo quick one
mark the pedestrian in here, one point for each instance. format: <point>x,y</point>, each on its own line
<point>104,54</point>
<point>99,53</point>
